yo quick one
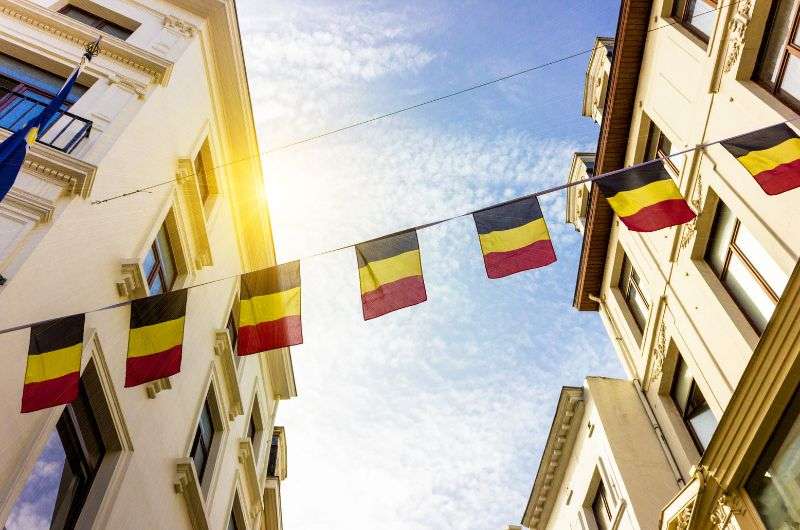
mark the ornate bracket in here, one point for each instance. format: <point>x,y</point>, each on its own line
<point>726,507</point>
<point>133,283</point>
<point>187,484</point>
<point>737,28</point>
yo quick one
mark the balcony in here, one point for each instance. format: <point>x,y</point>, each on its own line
<point>65,131</point>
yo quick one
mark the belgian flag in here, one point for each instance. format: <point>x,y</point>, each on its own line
<point>53,374</point>
<point>269,309</point>
<point>155,341</point>
<point>390,274</point>
<point>646,198</point>
<point>514,238</point>
<point>771,155</point>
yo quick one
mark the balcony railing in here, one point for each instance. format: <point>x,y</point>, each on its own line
<point>65,131</point>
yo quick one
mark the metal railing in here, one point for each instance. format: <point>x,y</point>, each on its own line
<point>65,131</point>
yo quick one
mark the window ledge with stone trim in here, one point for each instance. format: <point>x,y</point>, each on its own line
<point>191,209</point>
<point>277,365</point>
<point>226,367</point>
<point>253,502</point>
<point>187,484</point>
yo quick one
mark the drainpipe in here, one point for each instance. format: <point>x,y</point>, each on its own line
<point>673,463</point>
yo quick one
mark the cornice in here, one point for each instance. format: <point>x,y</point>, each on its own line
<point>65,28</point>
<point>555,457</point>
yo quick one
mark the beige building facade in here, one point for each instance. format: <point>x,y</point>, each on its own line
<point>701,315</point>
<point>165,102</point>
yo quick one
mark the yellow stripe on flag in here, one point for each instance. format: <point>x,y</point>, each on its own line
<point>269,307</point>
<point>32,134</point>
<point>159,337</point>
<point>759,161</point>
<point>627,203</point>
<point>377,273</point>
<point>53,364</point>
<point>514,238</point>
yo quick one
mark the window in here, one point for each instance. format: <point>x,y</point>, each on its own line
<point>773,485</point>
<point>778,67</point>
<point>56,491</point>
<point>630,286</point>
<point>203,438</point>
<point>159,263</point>
<point>272,464</point>
<point>236,518</point>
<point>749,274</point>
<point>601,509</point>
<point>698,16</point>
<point>691,404</point>
<point>232,525</point>
<point>233,334</point>
<point>658,146</point>
<point>95,21</point>
<point>204,172</point>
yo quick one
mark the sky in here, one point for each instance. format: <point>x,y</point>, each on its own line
<point>432,417</point>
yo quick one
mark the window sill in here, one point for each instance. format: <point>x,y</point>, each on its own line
<point>253,503</point>
<point>226,367</point>
<point>188,485</point>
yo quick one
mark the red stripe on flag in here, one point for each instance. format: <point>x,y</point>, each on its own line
<point>286,331</point>
<point>45,394</point>
<point>148,368</point>
<point>533,256</point>
<point>659,215</point>
<point>785,177</point>
<point>393,296</point>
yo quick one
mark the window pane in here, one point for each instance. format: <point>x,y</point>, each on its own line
<point>720,239</point>
<point>701,15</point>
<point>773,486</point>
<point>113,29</point>
<point>748,293</point>
<point>681,386</point>
<point>761,261</point>
<point>149,262</point>
<point>703,424</point>
<point>206,427</point>
<point>167,258</point>
<point>36,503</point>
<point>156,286</point>
<point>790,85</point>
<point>775,43</point>
<point>232,523</point>
<point>638,307</point>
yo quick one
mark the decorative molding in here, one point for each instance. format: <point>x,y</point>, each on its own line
<point>247,460</point>
<point>133,283</point>
<point>127,83</point>
<point>726,507</point>
<point>277,366</point>
<point>659,352</point>
<point>180,26</point>
<point>737,29</point>
<point>227,367</point>
<point>690,229</point>
<point>65,28</point>
<point>192,213</point>
<point>157,386</point>
<point>187,484</point>
<point>685,516</point>
<point>28,205</point>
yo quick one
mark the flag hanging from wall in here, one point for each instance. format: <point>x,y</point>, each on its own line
<point>514,238</point>
<point>14,148</point>
<point>269,309</point>
<point>646,198</point>
<point>155,341</point>
<point>390,274</point>
<point>771,155</point>
<point>52,376</point>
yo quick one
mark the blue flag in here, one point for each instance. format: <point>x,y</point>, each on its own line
<point>14,148</point>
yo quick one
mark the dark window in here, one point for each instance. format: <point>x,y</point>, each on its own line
<point>62,478</point>
<point>694,409</point>
<point>629,284</point>
<point>778,68</point>
<point>202,177</point>
<point>232,525</point>
<point>25,90</point>
<point>658,145</point>
<point>749,274</point>
<point>95,21</point>
<point>698,16</point>
<point>203,437</point>
<point>272,464</point>
<point>159,263</point>
<point>252,429</point>
<point>601,508</point>
<point>232,333</point>
<point>773,485</point>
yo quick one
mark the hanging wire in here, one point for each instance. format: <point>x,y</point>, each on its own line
<point>406,109</point>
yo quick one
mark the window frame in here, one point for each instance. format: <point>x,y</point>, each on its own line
<point>790,47</point>
<point>199,443</point>
<point>99,22</point>
<point>158,269</point>
<point>688,411</point>
<point>626,285</point>
<point>654,149</point>
<point>682,14</point>
<point>601,495</point>
<point>731,250</point>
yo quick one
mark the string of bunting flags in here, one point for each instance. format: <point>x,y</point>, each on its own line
<point>513,237</point>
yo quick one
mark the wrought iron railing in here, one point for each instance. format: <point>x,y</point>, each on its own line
<point>65,131</point>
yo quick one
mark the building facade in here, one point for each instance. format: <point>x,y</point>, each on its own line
<point>164,106</point>
<point>702,316</point>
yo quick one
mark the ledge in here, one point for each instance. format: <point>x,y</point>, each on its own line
<point>61,26</point>
<point>277,365</point>
<point>227,371</point>
<point>187,484</point>
<point>132,283</point>
<point>250,478</point>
